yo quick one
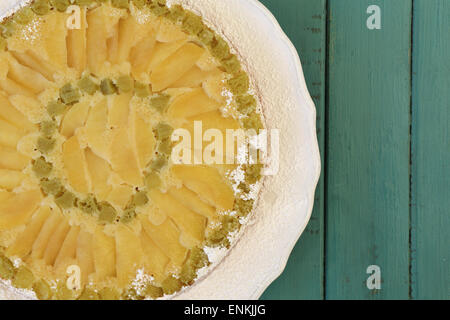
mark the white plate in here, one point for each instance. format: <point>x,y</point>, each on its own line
<point>286,199</point>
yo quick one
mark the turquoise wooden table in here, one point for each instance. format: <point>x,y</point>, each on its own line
<point>379,74</point>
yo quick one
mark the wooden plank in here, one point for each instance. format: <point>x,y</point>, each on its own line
<point>304,21</point>
<point>431,150</point>
<point>367,213</point>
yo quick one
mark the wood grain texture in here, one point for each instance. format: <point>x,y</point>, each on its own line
<point>304,21</point>
<point>368,150</point>
<point>431,150</point>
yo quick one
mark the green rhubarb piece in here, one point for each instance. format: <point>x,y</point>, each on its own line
<point>48,128</point>
<point>158,163</point>
<point>139,199</point>
<point>239,84</point>
<point>160,102</point>
<point>108,87</point>
<point>206,36</point>
<point>163,131</point>
<point>23,278</point>
<point>177,13</point>
<point>125,83</point>
<point>165,147</point>
<point>69,94</point>
<point>45,144</point>
<point>220,48</point>
<point>66,199</point>
<point>253,121</point>
<point>158,9</point>
<point>139,3</point>
<point>40,7</point>
<point>87,85</point>
<point>171,285</point>
<point>141,90</point>
<point>192,23</point>
<point>42,290</point>
<point>56,108</point>
<point>153,292</point>
<point>246,103</point>
<point>231,64</point>
<point>107,212</point>
<point>6,268</point>
<point>7,28</point>
<point>60,5</point>
<point>128,215</point>
<point>152,180</point>
<point>24,16</point>
<point>51,186</point>
<point>41,167</point>
<point>83,2</point>
<point>243,207</point>
<point>122,4</point>
<point>88,205</point>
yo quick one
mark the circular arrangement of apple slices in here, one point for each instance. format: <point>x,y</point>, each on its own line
<point>87,184</point>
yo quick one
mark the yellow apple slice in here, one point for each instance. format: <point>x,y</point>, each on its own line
<point>99,171</point>
<point>75,165</point>
<point>175,66</point>
<point>128,255</point>
<point>9,179</point>
<point>120,195</point>
<point>96,36</point>
<point>104,255</point>
<point>56,241</point>
<point>207,183</point>
<point>191,224</point>
<point>17,210</point>
<point>9,134</point>
<point>167,237</point>
<point>11,88</point>
<point>48,229</point>
<point>162,51</point>
<point>76,45</point>
<point>14,116</point>
<point>155,261</point>
<point>144,140</point>
<point>37,63</point>
<point>74,118</point>
<point>11,159</point>
<point>85,255</point>
<point>66,255</point>
<point>27,77</point>
<point>119,110</point>
<point>169,32</point>
<point>96,125</point>
<point>192,103</point>
<point>190,200</point>
<point>24,242</point>
<point>55,33</point>
<point>123,160</point>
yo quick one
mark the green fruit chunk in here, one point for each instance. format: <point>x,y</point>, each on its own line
<point>23,278</point>
<point>239,84</point>
<point>45,144</point>
<point>206,36</point>
<point>24,16</point>
<point>158,9</point>
<point>160,102</point>
<point>220,48</point>
<point>88,205</point>
<point>243,207</point>
<point>192,23</point>
<point>125,84</point>
<point>60,5</point>
<point>66,200</point>
<point>163,131</point>
<point>128,215</point>
<point>139,3</point>
<point>231,64</point>
<point>69,94</point>
<point>165,147</point>
<point>87,85</point>
<point>107,212</point>
<point>42,290</point>
<point>83,2</point>
<point>41,167</point>
<point>152,180</point>
<point>177,13</point>
<point>197,259</point>
<point>139,199</point>
<point>253,121</point>
<point>107,87</point>
<point>153,292</point>
<point>158,163</point>
<point>122,4</point>
<point>141,90</point>
<point>47,128</point>
<point>246,103</point>
<point>89,294</point>
<point>7,28</point>
<point>56,108</point>
<point>40,7</point>
<point>64,293</point>
<point>171,285</point>
<point>6,268</point>
<point>52,186</point>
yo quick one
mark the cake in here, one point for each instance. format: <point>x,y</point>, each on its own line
<point>94,205</point>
